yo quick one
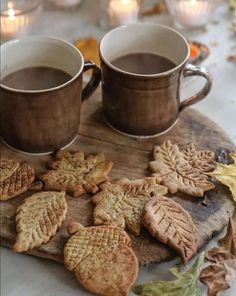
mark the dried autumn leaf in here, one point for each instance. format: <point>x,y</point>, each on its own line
<point>121,203</point>
<point>184,285</point>
<point>168,222</point>
<point>227,249</point>
<point>219,277</point>
<point>38,219</point>
<point>172,170</point>
<point>199,159</point>
<point>226,174</point>
<point>76,174</point>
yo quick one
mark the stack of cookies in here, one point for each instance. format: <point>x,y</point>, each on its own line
<point>101,256</point>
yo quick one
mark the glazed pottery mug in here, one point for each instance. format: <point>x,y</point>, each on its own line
<point>139,104</point>
<point>41,121</point>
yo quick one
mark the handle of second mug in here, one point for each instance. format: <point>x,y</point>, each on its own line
<point>94,80</point>
<point>191,70</point>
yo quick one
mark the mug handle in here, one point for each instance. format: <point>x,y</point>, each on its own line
<point>191,70</point>
<point>94,80</point>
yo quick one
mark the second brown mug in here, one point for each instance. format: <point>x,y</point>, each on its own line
<point>146,104</point>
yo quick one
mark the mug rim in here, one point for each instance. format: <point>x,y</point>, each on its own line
<point>43,37</point>
<point>165,73</point>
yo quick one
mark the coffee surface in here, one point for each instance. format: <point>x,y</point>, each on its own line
<point>36,78</point>
<point>143,63</point>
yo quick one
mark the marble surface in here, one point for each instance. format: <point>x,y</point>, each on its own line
<point>29,276</point>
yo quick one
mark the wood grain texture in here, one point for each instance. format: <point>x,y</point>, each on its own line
<point>130,157</point>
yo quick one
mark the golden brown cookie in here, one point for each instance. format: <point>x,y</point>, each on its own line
<point>169,223</point>
<point>38,219</point>
<point>111,273</point>
<point>76,174</point>
<point>102,259</point>
<point>16,178</point>
<point>121,203</point>
<point>172,169</point>
<point>199,159</point>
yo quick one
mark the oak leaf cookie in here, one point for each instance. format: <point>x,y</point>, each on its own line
<point>15,178</point>
<point>102,259</point>
<point>76,174</point>
<point>121,203</point>
<point>172,169</point>
<point>38,219</point>
<point>169,223</point>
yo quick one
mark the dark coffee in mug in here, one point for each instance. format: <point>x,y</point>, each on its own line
<point>36,78</point>
<point>143,63</point>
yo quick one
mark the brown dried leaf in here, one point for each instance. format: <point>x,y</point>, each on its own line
<point>168,222</point>
<point>219,277</point>
<point>121,203</point>
<point>199,159</point>
<point>76,174</point>
<point>172,170</point>
<point>227,249</point>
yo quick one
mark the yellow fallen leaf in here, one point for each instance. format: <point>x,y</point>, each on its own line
<point>89,48</point>
<point>226,174</point>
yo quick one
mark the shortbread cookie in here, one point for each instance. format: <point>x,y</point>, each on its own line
<point>121,203</point>
<point>169,223</point>
<point>16,178</point>
<point>76,174</point>
<point>38,219</point>
<point>199,159</point>
<point>110,273</point>
<point>102,259</point>
<point>172,169</point>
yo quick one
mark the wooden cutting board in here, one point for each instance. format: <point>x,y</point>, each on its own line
<point>130,157</point>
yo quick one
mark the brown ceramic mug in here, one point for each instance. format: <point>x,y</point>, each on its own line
<point>41,121</point>
<point>139,104</point>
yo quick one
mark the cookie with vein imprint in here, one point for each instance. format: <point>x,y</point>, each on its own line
<point>77,174</point>
<point>171,224</point>
<point>15,178</point>
<point>121,203</point>
<point>182,172</point>
<point>38,219</point>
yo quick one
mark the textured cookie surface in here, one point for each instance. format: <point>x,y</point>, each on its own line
<point>121,203</point>
<point>76,174</point>
<point>111,273</point>
<point>91,240</point>
<point>181,171</point>
<point>15,178</point>
<point>169,223</point>
<point>38,219</point>
<point>102,259</point>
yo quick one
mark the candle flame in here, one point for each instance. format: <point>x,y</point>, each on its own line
<point>11,11</point>
<point>125,2</point>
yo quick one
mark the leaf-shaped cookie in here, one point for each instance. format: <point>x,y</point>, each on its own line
<point>76,174</point>
<point>101,258</point>
<point>7,167</point>
<point>226,174</point>
<point>168,222</point>
<point>16,178</point>
<point>199,159</point>
<point>121,203</point>
<point>38,219</point>
<point>227,249</point>
<point>219,277</point>
<point>184,285</point>
<point>172,170</point>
